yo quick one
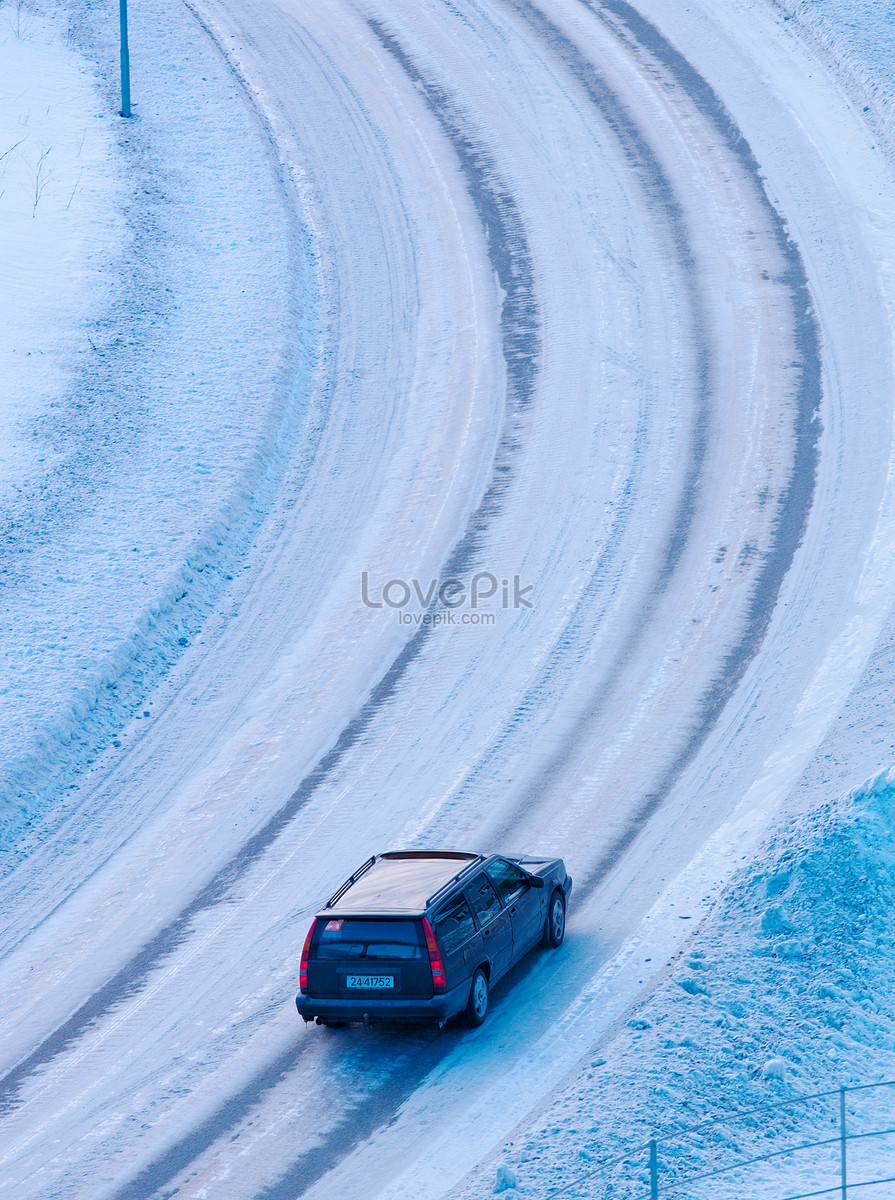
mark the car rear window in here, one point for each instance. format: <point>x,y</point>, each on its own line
<point>349,937</point>
<point>454,924</point>
<point>484,899</point>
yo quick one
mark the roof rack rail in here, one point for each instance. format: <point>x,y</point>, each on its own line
<point>470,866</point>
<point>349,882</point>
<point>466,855</point>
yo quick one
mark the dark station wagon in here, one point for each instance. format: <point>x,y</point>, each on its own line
<point>422,935</point>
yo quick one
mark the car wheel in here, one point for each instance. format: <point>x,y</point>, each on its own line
<point>555,928</point>
<point>477,1008</point>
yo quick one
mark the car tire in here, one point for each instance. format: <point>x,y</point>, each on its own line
<point>555,925</point>
<point>477,1007</point>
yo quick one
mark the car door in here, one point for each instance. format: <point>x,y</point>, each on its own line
<point>458,939</point>
<point>495,924</point>
<point>523,902</point>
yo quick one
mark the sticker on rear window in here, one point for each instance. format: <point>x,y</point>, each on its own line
<point>333,926</point>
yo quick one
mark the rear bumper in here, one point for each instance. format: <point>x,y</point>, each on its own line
<point>373,1008</point>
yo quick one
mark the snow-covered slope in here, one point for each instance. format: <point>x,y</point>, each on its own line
<point>588,298</point>
<point>155,373</point>
<point>785,990</point>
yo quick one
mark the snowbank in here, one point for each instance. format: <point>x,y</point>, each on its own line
<point>60,206</point>
<point>158,354</point>
<point>856,41</point>
<point>786,990</point>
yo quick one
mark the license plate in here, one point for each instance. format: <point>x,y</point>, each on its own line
<point>370,981</point>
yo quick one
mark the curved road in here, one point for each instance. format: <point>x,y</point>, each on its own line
<point>601,313</point>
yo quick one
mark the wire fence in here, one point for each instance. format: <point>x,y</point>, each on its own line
<point>855,1158</point>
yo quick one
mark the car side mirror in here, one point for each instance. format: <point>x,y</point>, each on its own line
<point>535,881</point>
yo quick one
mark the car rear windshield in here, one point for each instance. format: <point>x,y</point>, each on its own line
<point>348,937</point>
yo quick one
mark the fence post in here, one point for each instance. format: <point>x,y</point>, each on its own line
<point>842,1142</point>
<point>653,1170</point>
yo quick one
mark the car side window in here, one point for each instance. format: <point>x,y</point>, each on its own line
<point>508,879</point>
<point>454,924</point>
<point>484,899</point>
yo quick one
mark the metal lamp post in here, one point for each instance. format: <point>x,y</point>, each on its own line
<point>125,63</point>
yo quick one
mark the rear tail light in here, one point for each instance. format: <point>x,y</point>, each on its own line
<point>303,968</point>
<point>438,978</point>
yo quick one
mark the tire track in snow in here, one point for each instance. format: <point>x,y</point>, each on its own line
<point>310,1167</point>
<point>511,259</point>
<point>653,180</point>
<point>798,498</point>
<point>179,1156</point>
<point>177,931</point>
<point>794,508</point>
<point>479,171</point>
<point>520,342</point>
<point>795,505</point>
<point>360,1116</point>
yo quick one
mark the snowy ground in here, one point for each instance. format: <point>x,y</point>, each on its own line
<point>593,297</point>
<point>785,990</point>
<point>146,398</point>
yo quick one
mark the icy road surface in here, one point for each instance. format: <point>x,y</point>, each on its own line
<point>602,304</point>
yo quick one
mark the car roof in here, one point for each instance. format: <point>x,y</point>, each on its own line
<point>400,881</point>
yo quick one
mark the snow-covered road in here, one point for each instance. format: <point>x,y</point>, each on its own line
<point>600,309</point>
